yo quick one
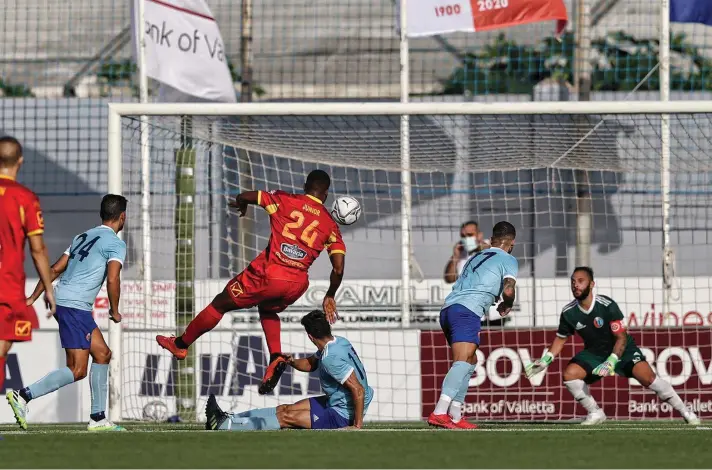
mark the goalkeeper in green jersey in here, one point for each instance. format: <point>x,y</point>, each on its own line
<point>608,350</point>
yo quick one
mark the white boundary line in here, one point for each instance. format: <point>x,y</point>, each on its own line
<point>391,430</point>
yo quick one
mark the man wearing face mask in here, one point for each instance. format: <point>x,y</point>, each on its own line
<point>471,242</point>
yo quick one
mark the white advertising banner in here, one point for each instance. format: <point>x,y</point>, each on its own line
<point>184,49</point>
<point>376,303</point>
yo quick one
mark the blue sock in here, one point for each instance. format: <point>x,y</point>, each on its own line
<point>99,386</point>
<point>267,422</point>
<point>258,413</point>
<point>56,379</point>
<point>460,397</point>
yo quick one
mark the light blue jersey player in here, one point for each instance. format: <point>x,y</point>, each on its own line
<point>343,381</point>
<point>93,256</point>
<point>489,274</point>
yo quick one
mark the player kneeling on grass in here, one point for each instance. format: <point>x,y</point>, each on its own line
<point>608,350</point>
<point>343,380</point>
<point>93,256</point>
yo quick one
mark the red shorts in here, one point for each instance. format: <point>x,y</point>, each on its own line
<point>17,321</point>
<point>256,286</point>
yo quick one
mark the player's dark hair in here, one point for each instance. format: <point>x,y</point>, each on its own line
<point>585,269</point>
<point>469,222</point>
<point>318,180</point>
<point>503,230</point>
<point>316,324</point>
<point>10,151</point>
<point>112,206</point>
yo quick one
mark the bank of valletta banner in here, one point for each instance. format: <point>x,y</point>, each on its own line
<point>431,17</point>
<point>185,51</point>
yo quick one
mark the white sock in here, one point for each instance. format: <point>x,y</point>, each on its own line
<point>443,405</point>
<point>579,390</point>
<point>667,393</point>
<point>456,411</point>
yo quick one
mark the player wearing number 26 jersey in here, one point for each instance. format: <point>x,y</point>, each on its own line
<point>489,274</point>
<point>301,228</point>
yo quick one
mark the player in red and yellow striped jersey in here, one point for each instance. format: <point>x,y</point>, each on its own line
<point>20,218</point>
<point>301,228</point>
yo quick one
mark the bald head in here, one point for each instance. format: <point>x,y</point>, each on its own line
<point>10,152</point>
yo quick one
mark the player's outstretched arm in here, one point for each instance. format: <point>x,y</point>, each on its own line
<point>56,270</point>
<point>40,258</point>
<point>244,199</point>
<point>305,364</point>
<point>545,361</point>
<point>359,396</point>
<point>338,260</point>
<point>508,293</point>
<point>113,289</point>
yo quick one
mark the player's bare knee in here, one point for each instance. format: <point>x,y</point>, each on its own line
<point>574,373</point>
<point>102,356</point>
<point>79,371</point>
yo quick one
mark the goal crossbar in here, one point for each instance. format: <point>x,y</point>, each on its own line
<point>361,109</point>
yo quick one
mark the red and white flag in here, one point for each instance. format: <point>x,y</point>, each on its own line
<point>431,17</point>
<point>185,51</point>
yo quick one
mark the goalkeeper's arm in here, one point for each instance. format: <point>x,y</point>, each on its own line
<point>539,365</point>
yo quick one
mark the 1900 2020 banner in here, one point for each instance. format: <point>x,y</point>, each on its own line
<point>500,391</point>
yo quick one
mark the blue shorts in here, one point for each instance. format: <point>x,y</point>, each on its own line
<point>75,327</point>
<point>460,324</point>
<point>325,417</point>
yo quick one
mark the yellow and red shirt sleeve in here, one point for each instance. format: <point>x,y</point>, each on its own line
<point>335,244</point>
<point>31,215</point>
<point>268,200</point>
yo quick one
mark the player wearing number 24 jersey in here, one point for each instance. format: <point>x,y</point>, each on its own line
<point>93,256</point>
<point>301,228</point>
<point>489,274</point>
<point>608,350</point>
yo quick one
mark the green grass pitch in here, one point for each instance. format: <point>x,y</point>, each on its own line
<point>658,444</point>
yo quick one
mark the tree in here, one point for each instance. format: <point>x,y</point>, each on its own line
<point>620,62</point>
<point>15,90</point>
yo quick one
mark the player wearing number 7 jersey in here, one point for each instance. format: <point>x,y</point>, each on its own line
<point>301,227</point>
<point>489,274</point>
<point>94,256</point>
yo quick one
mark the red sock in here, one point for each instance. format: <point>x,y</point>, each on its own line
<point>2,374</point>
<point>204,322</point>
<point>272,328</point>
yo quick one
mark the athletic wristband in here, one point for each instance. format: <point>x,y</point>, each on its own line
<point>613,358</point>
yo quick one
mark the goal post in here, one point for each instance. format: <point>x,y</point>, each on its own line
<point>522,162</point>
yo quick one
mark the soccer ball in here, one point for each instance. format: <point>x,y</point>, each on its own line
<point>346,210</point>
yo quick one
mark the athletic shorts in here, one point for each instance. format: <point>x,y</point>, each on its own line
<point>460,324</point>
<point>17,321</point>
<point>589,361</point>
<point>325,417</point>
<point>75,327</point>
<point>256,287</point>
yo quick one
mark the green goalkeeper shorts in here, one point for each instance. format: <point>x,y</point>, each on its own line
<point>589,361</point>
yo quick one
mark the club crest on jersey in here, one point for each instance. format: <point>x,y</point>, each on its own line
<point>598,322</point>
<point>293,251</point>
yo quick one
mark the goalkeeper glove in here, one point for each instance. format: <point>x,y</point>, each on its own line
<point>539,365</point>
<point>606,368</point>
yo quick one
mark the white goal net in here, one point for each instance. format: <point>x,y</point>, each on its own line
<point>594,183</point>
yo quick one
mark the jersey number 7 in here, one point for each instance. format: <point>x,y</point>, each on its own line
<point>484,256</point>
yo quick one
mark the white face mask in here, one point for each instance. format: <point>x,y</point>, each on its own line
<point>469,243</point>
